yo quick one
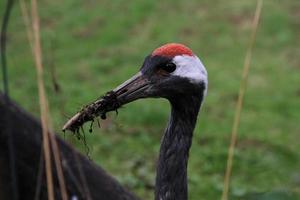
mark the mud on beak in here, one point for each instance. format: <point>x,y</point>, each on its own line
<point>132,89</point>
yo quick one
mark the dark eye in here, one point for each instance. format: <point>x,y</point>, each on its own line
<point>169,67</point>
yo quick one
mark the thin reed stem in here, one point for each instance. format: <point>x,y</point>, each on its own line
<point>48,136</point>
<point>240,100</point>
<point>27,22</point>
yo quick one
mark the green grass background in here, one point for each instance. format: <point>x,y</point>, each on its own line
<point>95,45</point>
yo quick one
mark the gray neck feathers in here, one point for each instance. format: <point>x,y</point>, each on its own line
<point>171,179</point>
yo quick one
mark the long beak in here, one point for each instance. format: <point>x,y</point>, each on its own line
<point>132,89</point>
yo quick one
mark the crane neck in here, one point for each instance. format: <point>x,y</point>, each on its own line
<point>171,178</point>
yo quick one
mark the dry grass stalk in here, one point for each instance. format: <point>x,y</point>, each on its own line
<point>48,136</point>
<point>239,104</point>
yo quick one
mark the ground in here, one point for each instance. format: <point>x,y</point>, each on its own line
<point>89,47</point>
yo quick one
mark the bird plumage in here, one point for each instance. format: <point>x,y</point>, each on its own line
<point>174,72</point>
<point>185,87</point>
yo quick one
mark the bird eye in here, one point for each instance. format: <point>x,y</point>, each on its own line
<point>169,67</point>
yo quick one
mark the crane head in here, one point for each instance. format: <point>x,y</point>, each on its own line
<point>171,71</point>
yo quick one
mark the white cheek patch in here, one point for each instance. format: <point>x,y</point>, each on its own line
<point>192,68</point>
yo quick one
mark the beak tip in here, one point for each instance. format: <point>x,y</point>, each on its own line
<point>100,107</point>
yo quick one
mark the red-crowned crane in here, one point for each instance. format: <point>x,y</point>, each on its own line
<point>174,72</point>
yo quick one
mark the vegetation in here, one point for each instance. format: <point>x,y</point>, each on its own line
<point>92,46</point>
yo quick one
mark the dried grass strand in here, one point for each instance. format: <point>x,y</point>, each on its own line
<point>48,136</point>
<point>240,100</point>
<point>27,22</point>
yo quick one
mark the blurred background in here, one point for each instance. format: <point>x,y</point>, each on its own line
<point>89,47</point>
